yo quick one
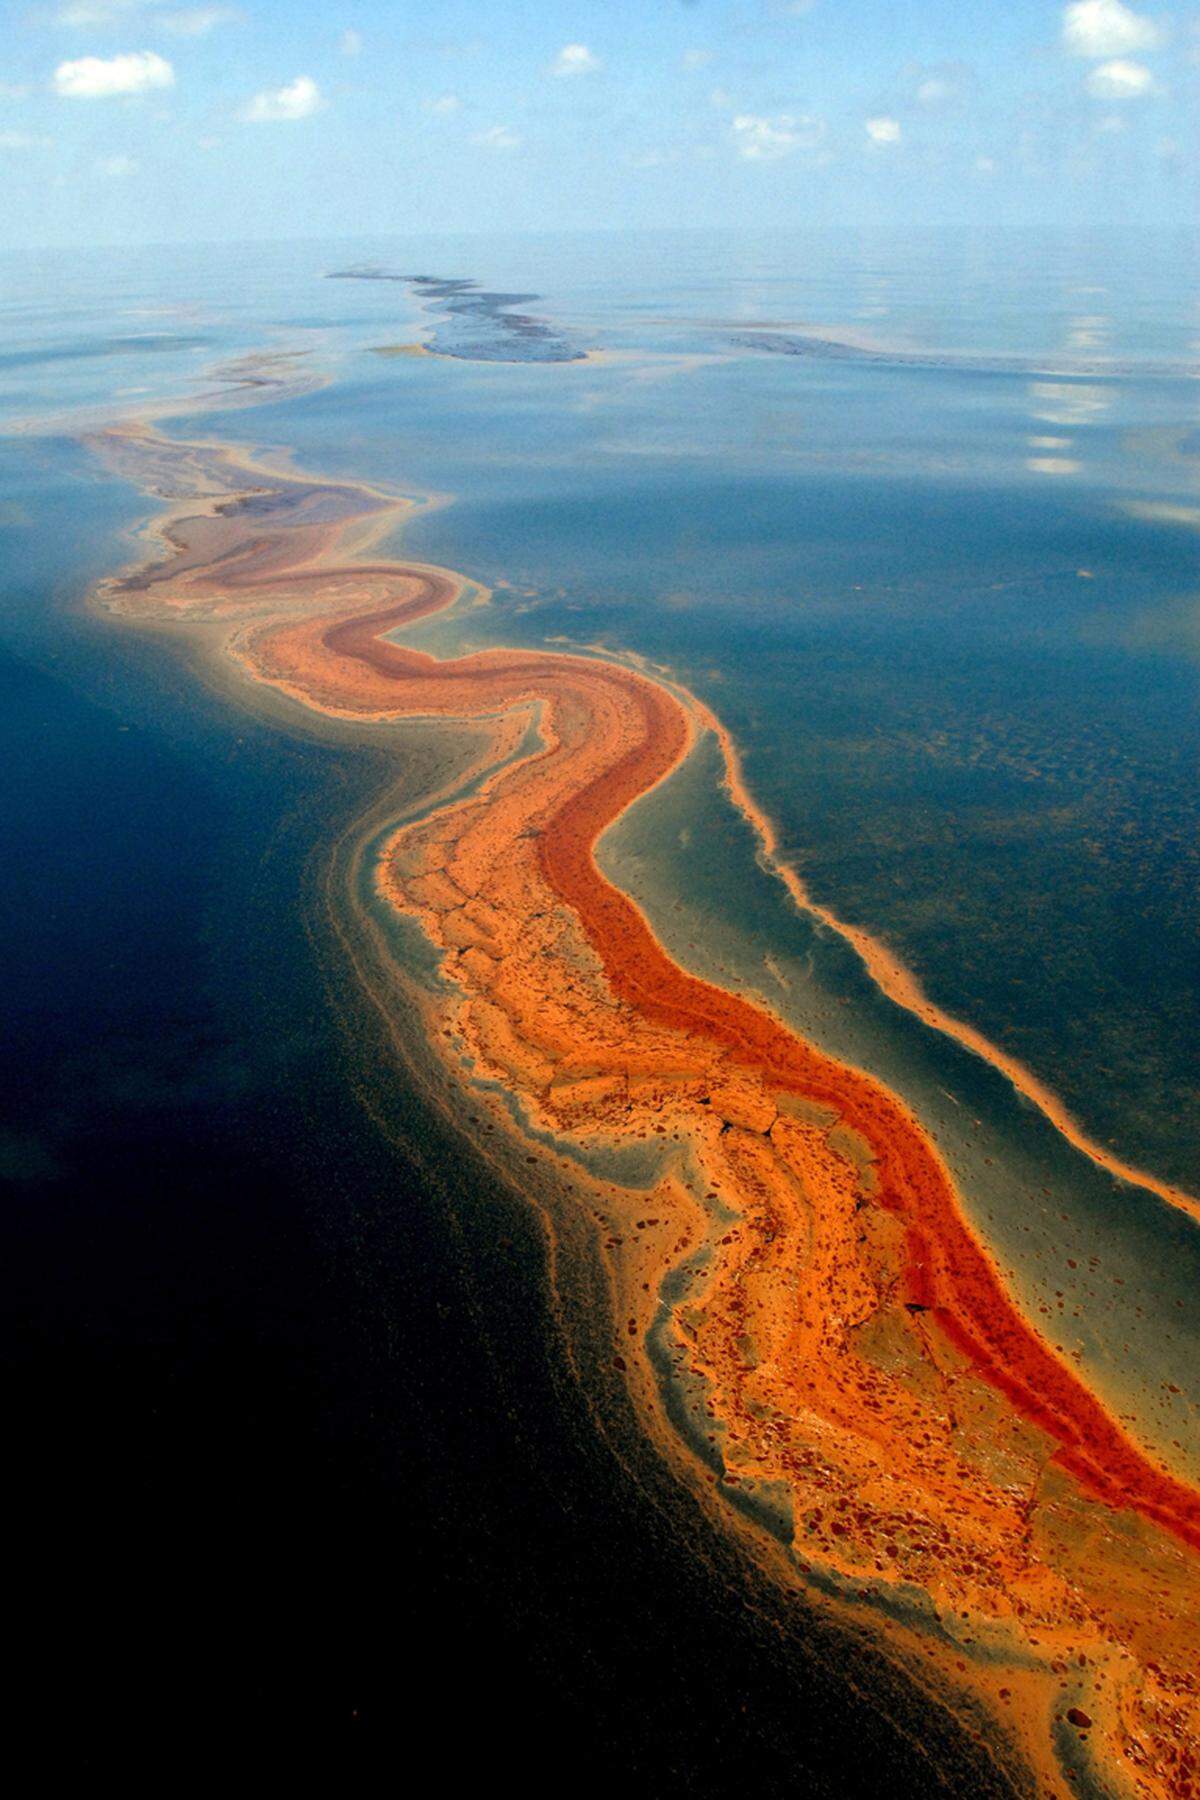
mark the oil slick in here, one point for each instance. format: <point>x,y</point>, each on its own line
<point>472,323</point>
<point>813,1334</point>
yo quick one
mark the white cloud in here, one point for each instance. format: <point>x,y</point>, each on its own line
<point>116,168</point>
<point>350,43</point>
<point>942,84</point>
<point>497,137</point>
<point>574,59</point>
<point>13,90</point>
<point>695,59</point>
<point>187,21</point>
<point>23,140</point>
<point>883,130</point>
<point>84,13</point>
<point>1106,28</point>
<point>444,106</point>
<point>766,140</point>
<point>299,99</point>
<point>986,165</point>
<point>195,21</point>
<point>99,78</point>
<point>1120,80</point>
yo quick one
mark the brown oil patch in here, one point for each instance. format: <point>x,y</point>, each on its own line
<point>854,1359</point>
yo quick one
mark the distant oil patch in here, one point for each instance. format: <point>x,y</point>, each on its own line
<point>145,343</point>
<point>823,348</point>
<point>475,324</point>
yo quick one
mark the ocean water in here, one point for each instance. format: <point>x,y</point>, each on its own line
<point>943,590</point>
<point>295,1458</point>
<point>918,518</point>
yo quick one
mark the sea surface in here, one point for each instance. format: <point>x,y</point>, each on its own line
<point>918,518</point>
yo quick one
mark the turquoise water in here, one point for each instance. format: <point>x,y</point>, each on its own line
<point>938,573</point>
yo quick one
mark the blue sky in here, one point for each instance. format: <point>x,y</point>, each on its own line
<point>158,120</point>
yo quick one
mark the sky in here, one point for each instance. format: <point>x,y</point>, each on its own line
<point>150,121</point>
